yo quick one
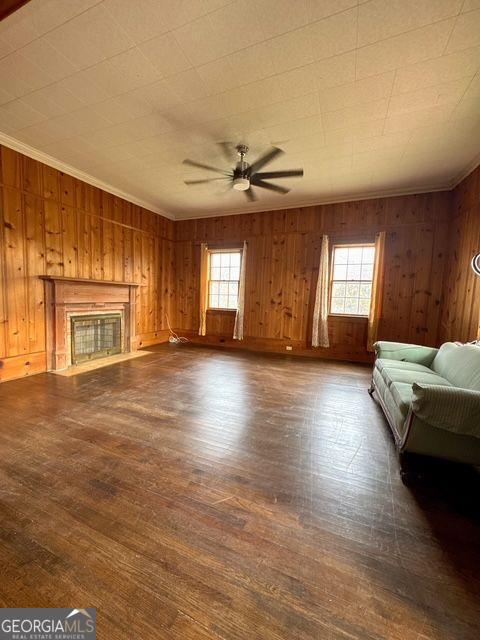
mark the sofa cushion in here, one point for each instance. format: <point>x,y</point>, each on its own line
<point>460,364</point>
<point>390,374</point>
<point>402,393</point>
<point>400,364</point>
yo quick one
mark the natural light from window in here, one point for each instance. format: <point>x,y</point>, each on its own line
<point>224,276</point>
<point>352,274</point>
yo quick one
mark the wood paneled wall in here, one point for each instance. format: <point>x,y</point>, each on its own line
<point>461,306</point>
<point>282,267</point>
<point>54,224</point>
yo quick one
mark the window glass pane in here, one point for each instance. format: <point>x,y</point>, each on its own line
<point>235,259</point>
<point>234,273</point>
<point>368,255</point>
<point>341,256</point>
<point>367,271</point>
<point>223,288</point>
<point>232,302</point>
<point>351,305</point>
<point>225,273</point>
<point>214,273</point>
<point>340,272</point>
<point>338,290</point>
<point>214,287</point>
<point>222,301</point>
<point>364,306</point>
<point>338,305</point>
<point>365,290</point>
<point>215,259</point>
<point>353,271</point>
<point>352,289</point>
<point>225,259</point>
<point>213,301</point>
<point>233,289</point>
<point>355,255</point>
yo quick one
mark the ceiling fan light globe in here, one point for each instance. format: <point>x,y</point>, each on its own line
<point>241,184</point>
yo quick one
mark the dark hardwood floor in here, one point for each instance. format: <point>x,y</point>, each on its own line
<point>204,494</point>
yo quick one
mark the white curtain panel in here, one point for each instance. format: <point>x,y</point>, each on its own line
<point>238,329</point>
<point>320,312</point>
<point>202,329</point>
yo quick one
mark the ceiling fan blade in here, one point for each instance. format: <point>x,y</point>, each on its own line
<point>228,151</point>
<point>268,185</point>
<point>199,165</point>
<point>265,159</point>
<point>250,195</point>
<point>293,173</point>
<point>206,180</point>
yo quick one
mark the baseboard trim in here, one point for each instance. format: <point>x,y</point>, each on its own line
<point>277,345</point>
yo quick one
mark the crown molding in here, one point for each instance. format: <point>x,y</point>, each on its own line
<point>471,166</point>
<point>314,203</point>
<point>35,154</point>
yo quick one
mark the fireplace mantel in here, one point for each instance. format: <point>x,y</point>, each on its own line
<point>64,296</point>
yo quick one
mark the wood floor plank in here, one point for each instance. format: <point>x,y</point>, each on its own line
<point>196,493</point>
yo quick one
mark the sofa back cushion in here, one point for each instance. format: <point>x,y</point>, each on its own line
<point>459,364</point>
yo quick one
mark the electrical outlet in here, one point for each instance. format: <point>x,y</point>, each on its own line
<point>289,347</point>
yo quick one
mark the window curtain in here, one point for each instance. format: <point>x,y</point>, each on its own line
<point>238,329</point>
<point>320,312</point>
<point>203,289</point>
<point>377,291</point>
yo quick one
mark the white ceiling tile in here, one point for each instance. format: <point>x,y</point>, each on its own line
<point>254,63</point>
<point>177,13</point>
<point>469,5</point>
<point>420,117</point>
<point>89,38</point>
<point>291,50</point>
<point>218,76</point>
<point>318,9</point>
<point>408,48</point>
<point>381,19</point>
<point>334,71</point>
<point>358,92</point>
<point>83,87</point>
<point>359,114</point>
<point>49,14</point>
<point>153,97</point>
<point>165,54</point>
<point>42,54</point>
<point>441,69</point>
<point>356,131</point>
<point>188,85</point>
<point>278,16</point>
<point>466,32</point>
<point>444,93</point>
<point>23,112</point>
<point>142,19</point>
<point>199,42</point>
<point>22,76</point>
<point>334,35</point>
<point>236,29</point>
<point>80,122</point>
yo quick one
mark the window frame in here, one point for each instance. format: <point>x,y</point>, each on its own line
<point>222,250</point>
<point>347,245</point>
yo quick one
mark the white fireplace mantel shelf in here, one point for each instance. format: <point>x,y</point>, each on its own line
<point>64,296</point>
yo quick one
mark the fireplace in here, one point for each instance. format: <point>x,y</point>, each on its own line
<point>95,336</point>
<point>88,319</point>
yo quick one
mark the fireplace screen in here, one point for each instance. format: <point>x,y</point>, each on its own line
<point>96,336</point>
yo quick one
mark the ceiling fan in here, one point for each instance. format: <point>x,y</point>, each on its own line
<point>244,176</point>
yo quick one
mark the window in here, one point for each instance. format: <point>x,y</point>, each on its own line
<point>224,276</point>
<point>352,274</point>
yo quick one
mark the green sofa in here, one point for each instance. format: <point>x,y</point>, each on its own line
<point>431,398</point>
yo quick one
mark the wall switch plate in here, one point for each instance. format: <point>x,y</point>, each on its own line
<point>289,347</point>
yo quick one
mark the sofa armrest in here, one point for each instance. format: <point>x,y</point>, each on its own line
<point>448,408</point>
<point>415,353</point>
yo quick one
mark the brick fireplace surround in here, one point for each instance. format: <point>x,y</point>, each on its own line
<point>73,296</point>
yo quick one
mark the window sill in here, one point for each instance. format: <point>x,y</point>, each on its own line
<point>346,316</point>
